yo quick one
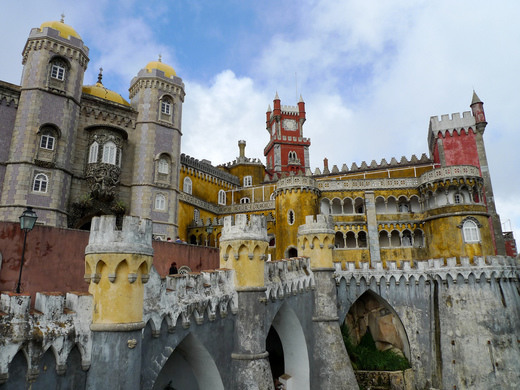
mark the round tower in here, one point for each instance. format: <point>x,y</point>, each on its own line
<point>316,240</point>
<point>117,264</point>
<point>157,93</point>
<point>243,248</point>
<point>38,170</point>
<point>296,197</point>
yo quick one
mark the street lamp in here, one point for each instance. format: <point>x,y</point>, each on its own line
<point>209,230</point>
<point>27,221</point>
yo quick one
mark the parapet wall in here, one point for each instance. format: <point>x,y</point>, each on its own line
<point>240,228</point>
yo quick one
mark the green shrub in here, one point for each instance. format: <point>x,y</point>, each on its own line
<point>365,355</point>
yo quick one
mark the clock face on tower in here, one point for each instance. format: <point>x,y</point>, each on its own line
<point>290,124</point>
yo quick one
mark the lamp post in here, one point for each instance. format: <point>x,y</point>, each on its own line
<point>209,230</point>
<point>27,221</point>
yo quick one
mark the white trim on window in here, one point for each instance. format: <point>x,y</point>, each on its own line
<point>222,197</point>
<point>163,166</point>
<point>47,142</point>
<point>187,185</point>
<point>244,200</point>
<point>40,183</point>
<point>166,107</point>
<point>58,72</point>
<point>93,152</point>
<point>248,181</point>
<point>109,153</point>
<point>160,202</point>
<point>470,232</point>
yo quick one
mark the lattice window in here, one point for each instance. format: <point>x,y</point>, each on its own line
<point>40,183</point>
<point>93,152</point>
<point>160,202</point>
<point>187,185</point>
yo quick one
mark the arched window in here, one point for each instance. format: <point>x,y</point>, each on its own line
<point>362,239</point>
<point>384,241</point>
<point>248,181</point>
<point>470,231</point>
<point>93,152</point>
<point>196,215</point>
<point>273,196</point>
<point>222,197</point>
<point>359,206</point>
<point>457,198</point>
<point>166,106</point>
<point>186,187</point>
<point>40,183</point>
<point>407,238</point>
<point>163,166</point>
<point>245,200</point>
<point>339,240</point>
<point>160,202</point>
<point>109,153</point>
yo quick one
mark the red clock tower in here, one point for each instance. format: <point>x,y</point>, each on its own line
<point>287,150</point>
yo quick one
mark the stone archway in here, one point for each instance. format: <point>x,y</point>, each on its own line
<point>371,312</point>
<point>295,356</point>
<point>189,367</point>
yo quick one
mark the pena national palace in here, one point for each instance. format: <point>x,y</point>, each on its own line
<point>150,269</point>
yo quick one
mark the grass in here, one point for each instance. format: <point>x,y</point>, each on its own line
<point>365,355</point>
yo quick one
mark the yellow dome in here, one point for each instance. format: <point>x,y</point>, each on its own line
<point>100,91</point>
<point>167,69</point>
<point>65,30</point>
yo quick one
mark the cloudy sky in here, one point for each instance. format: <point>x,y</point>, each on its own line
<point>371,72</point>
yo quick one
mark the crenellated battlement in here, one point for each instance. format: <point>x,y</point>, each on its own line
<point>58,321</point>
<point>384,164</point>
<point>454,122</point>
<point>287,277</point>
<point>135,236</point>
<point>317,224</point>
<point>481,270</point>
<point>242,228</point>
<point>198,296</point>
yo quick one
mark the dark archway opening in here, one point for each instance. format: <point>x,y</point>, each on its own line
<point>276,359</point>
<point>292,252</point>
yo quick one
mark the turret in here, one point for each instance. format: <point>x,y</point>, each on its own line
<point>54,60</point>
<point>117,265</point>
<point>296,197</point>
<point>157,93</point>
<point>477,109</point>
<point>316,240</point>
<point>243,248</point>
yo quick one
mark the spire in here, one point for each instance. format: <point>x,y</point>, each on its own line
<point>62,20</point>
<point>301,99</point>
<point>268,108</point>
<point>276,96</point>
<point>475,99</point>
<point>100,76</point>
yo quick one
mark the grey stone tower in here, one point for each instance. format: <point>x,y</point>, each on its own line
<point>157,94</point>
<point>38,170</point>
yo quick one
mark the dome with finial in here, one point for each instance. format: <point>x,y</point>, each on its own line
<point>99,90</point>
<point>65,30</point>
<point>159,65</point>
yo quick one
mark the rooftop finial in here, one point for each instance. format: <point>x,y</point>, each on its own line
<point>301,98</point>
<point>62,20</point>
<point>160,57</point>
<point>276,96</point>
<point>100,76</point>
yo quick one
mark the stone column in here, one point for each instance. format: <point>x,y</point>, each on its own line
<point>243,248</point>
<point>116,266</point>
<point>373,234</point>
<point>331,361</point>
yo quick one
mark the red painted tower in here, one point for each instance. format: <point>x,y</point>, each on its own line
<point>460,141</point>
<point>287,150</point>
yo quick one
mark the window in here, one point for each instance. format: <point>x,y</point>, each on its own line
<point>290,217</point>
<point>166,106</point>
<point>457,198</point>
<point>222,197</point>
<point>163,166</point>
<point>160,202</point>
<point>248,181</point>
<point>58,72</point>
<point>245,200</point>
<point>40,183</point>
<point>109,153</point>
<point>93,152</point>
<point>196,215</point>
<point>47,142</point>
<point>470,231</point>
<point>186,187</point>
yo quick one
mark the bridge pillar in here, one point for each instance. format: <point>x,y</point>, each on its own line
<point>316,240</point>
<point>117,263</point>
<point>243,248</point>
